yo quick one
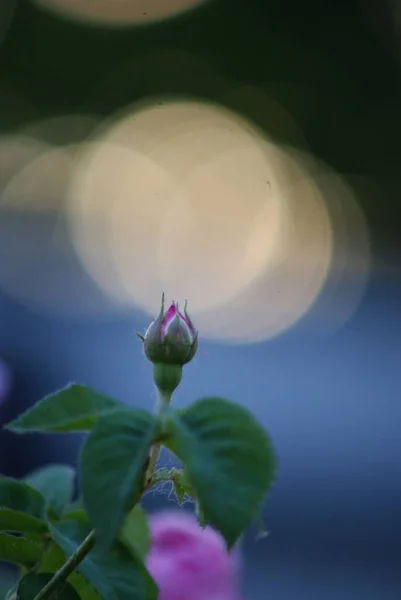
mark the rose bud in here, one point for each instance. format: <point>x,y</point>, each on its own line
<point>170,342</point>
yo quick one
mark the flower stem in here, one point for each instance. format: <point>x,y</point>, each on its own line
<point>65,571</point>
<point>163,400</point>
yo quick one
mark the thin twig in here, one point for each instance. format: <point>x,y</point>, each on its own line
<point>162,401</point>
<point>65,571</point>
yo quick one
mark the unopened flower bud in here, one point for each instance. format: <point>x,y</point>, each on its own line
<point>170,342</point>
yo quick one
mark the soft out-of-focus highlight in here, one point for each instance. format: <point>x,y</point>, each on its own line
<point>118,12</point>
<point>186,197</point>
<point>38,264</point>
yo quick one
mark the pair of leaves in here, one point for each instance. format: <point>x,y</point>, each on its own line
<point>228,459</point>
<point>227,455</point>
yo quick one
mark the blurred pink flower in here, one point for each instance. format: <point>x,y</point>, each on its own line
<point>188,562</point>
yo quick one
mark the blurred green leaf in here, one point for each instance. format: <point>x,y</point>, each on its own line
<point>135,533</point>
<point>22,508</point>
<point>74,408</point>
<point>32,583</point>
<point>55,483</point>
<point>112,466</point>
<point>228,458</point>
<point>19,550</point>
<point>115,575</point>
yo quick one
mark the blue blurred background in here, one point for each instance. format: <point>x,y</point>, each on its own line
<point>243,154</point>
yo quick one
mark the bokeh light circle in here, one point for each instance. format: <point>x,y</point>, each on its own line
<point>188,198</point>
<point>38,265</point>
<point>118,12</point>
<point>17,151</point>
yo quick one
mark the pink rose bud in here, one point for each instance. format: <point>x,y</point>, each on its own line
<point>170,342</point>
<point>188,562</point>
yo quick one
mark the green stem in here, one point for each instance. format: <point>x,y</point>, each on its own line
<point>163,400</point>
<point>65,571</point>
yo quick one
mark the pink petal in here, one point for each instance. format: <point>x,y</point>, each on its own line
<point>168,317</point>
<point>188,562</point>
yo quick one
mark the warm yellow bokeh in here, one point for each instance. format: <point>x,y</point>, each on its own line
<point>181,196</point>
<point>38,265</point>
<point>190,199</point>
<point>118,12</point>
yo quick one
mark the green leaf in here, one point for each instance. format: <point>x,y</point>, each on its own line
<point>30,586</point>
<point>19,550</point>
<point>113,465</point>
<point>74,408</point>
<point>135,532</point>
<point>115,575</point>
<point>228,458</point>
<point>56,484</point>
<point>22,508</point>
